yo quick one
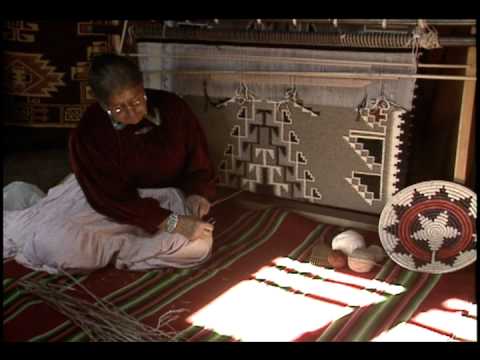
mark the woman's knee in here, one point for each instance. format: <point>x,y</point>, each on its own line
<point>197,250</point>
<point>206,245</point>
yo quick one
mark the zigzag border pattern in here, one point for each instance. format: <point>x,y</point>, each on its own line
<point>377,114</point>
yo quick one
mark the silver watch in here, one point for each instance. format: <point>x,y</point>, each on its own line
<point>172,221</point>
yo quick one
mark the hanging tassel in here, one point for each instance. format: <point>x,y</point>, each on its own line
<point>291,95</point>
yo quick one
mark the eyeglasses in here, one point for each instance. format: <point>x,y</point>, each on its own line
<point>121,109</point>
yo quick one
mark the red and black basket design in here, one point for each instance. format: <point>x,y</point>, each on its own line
<point>431,227</point>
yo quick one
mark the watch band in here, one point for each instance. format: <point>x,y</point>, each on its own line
<point>172,221</point>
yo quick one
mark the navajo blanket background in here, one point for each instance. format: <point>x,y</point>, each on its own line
<point>257,286</point>
<point>45,69</point>
<point>315,140</point>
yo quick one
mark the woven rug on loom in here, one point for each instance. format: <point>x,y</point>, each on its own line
<point>257,286</point>
<point>326,141</point>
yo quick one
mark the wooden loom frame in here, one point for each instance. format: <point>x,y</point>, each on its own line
<point>465,125</point>
<point>464,137</point>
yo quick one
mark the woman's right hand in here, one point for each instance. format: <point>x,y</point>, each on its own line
<point>193,228</point>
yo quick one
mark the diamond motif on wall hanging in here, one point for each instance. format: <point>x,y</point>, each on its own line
<point>29,75</point>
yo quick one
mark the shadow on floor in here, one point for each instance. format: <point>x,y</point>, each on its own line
<point>35,155</point>
<point>44,168</point>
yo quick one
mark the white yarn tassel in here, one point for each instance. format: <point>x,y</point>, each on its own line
<point>425,37</point>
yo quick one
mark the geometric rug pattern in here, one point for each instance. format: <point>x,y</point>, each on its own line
<point>370,147</point>
<point>45,69</point>
<point>298,136</point>
<point>262,156</point>
<point>327,157</point>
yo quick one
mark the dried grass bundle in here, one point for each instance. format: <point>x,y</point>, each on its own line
<point>100,320</point>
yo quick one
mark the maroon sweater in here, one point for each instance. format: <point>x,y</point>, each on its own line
<point>111,165</point>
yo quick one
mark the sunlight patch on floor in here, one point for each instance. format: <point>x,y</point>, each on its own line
<point>458,323</point>
<point>449,322</point>
<point>461,305</point>
<point>412,333</point>
<point>254,311</point>
<point>257,310</point>
<point>370,284</point>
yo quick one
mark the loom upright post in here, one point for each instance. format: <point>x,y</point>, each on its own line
<point>466,120</point>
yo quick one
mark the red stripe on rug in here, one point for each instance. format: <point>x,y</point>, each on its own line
<point>210,265</point>
<point>200,335</point>
<point>405,300</point>
<point>356,315</point>
<point>14,283</point>
<point>281,243</point>
<point>137,291</point>
<point>22,299</point>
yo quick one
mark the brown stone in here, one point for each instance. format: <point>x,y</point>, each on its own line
<point>337,259</point>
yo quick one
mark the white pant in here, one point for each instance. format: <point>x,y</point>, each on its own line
<point>62,231</point>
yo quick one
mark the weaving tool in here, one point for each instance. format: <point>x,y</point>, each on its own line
<point>319,255</point>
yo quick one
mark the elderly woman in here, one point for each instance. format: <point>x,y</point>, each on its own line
<point>140,189</point>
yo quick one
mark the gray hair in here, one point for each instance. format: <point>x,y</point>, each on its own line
<point>110,73</point>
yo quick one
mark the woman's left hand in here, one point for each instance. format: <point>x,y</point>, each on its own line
<point>198,205</point>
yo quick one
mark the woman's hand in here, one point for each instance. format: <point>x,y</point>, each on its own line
<point>198,205</point>
<point>192,228</point>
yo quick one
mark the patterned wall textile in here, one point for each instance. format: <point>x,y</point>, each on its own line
<point>45,70</point>
<point>331,141</point>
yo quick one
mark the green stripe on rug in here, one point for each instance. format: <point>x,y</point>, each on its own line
<point>249,234</point>
<point>225,252</point>
<point>21,309</point>
<point>333,328</point>
<point>309,240</point>
<point>227,264</point>
<point>150,274</point>
<point>338,324</point>
<point>133,285</point>
<point>44,337</point>
<point>216,337</point>
<point>385,270</point>
<point>137,286</point>
<point>424,292</point>
<point>128,304</point>
<point>187,333</point>
<point>7,282</point>
<point>374,317</point>
<point>14,289</point>
<point>18,294</point>
<point>152,291</point>
<point>184,272</point>
<point>179,273</point>
<point>51,333</point>
<point>312,237</point>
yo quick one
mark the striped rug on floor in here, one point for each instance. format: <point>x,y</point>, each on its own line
<point>257,286</point>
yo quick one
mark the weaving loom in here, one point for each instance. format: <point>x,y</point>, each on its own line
<point>258,286</point>
<point>273,131</point>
